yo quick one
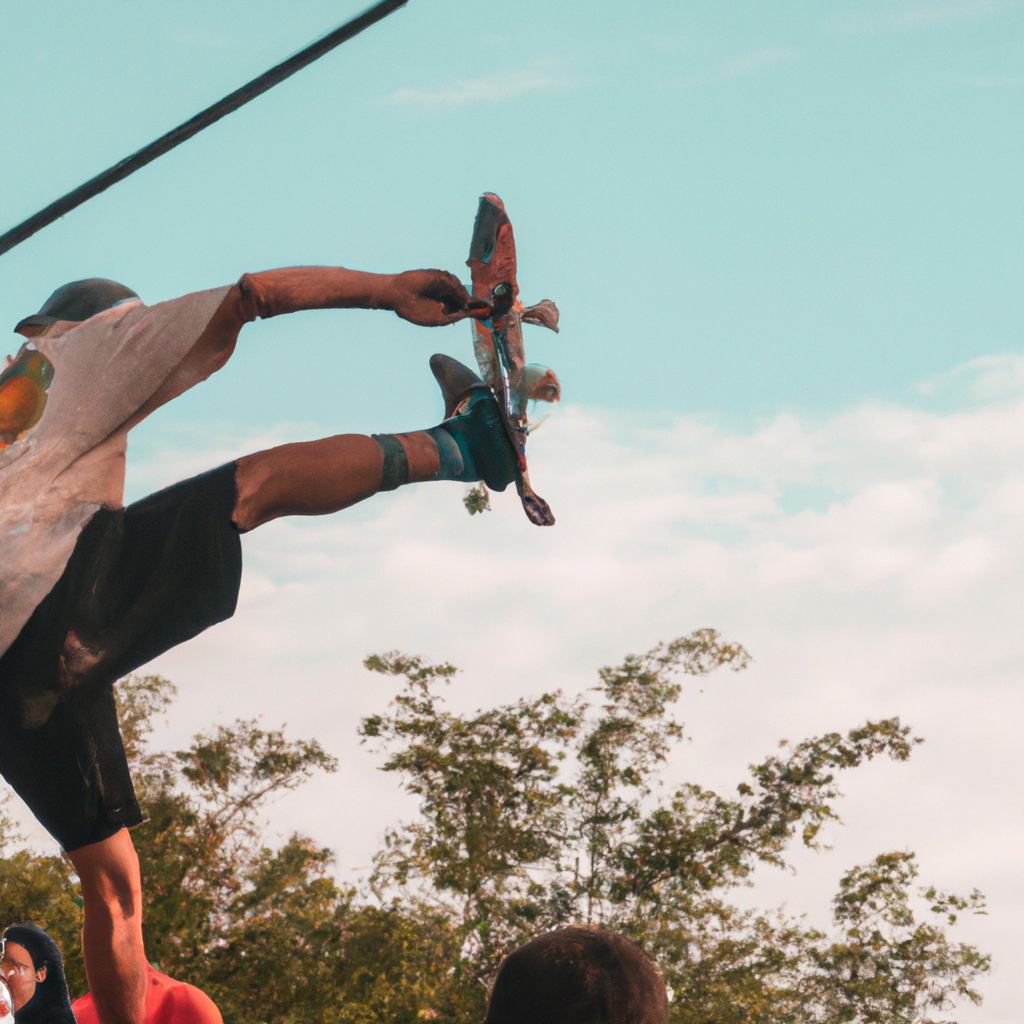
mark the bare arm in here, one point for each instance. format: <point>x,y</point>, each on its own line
<point>430,298</point>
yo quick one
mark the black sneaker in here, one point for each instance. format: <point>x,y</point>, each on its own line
<point>474,421</point>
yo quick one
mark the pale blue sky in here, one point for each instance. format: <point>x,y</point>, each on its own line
<point>739,207</point>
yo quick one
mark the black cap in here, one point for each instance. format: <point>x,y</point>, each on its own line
<point>79,300</point>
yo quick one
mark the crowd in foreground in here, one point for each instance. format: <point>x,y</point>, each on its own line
<point>570,976</point>
<point>37,992</point>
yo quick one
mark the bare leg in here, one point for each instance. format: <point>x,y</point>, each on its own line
<point>115,959</point>
<point>315,478</point>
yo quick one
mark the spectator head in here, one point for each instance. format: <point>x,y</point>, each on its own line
<point>34,971</point>
<point>578,976</point>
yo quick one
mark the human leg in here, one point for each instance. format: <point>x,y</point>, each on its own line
<point>140,581</point>
<point>319,477</point>
<point>306,479</point>
<point>115,959</point>
<point>72,773</point>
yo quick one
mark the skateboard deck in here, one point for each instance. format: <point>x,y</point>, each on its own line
<point>498,341</point>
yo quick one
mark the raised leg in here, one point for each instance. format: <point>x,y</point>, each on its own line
<point>314,478</point>
<point>115,959</point>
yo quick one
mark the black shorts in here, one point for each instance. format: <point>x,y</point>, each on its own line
<point>140,580</point>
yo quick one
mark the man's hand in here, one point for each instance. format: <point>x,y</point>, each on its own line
<point>433,298</point>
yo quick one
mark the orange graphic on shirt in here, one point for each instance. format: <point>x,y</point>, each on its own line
<point>23,386</point>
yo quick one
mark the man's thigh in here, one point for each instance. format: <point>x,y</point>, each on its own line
<point>71,771</point>
<point>140,581</point>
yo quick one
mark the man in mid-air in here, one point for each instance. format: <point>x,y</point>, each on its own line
<point>91,590</point>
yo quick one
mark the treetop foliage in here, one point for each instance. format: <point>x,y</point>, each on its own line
<point>532,815</point>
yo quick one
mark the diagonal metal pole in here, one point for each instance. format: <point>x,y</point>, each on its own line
<point>178,135</point>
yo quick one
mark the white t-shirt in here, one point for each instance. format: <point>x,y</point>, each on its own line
<point>72,462</point>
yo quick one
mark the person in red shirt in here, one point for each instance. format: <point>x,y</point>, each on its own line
<point>167,1002</point>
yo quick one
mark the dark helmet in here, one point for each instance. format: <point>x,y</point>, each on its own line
<point>79,300</point>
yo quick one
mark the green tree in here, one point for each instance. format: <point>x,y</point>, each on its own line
<point>534,814</point>
<point>541,813</point>
<point>268,933</point>
<point>490,809</point>
<point>222,910</point>
<point>884,965</point>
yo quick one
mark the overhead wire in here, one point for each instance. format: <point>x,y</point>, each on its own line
<point>196,124</point>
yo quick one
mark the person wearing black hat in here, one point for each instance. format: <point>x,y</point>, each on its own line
<point>90,589</point>
<point>34,971</point>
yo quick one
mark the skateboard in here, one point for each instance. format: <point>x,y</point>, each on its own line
<point>498,340</point>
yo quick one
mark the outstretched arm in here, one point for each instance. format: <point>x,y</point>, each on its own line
<point>430,298</point>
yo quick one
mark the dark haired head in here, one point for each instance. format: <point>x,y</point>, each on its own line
<point>50,1004</point>
<point>578,976</point>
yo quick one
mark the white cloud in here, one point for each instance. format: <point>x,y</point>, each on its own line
<point>751,63</point>
<point>495,88</point>
<point>915,16</point>
<point>872,562</point>
<point>952,10</point>
<point>985,379</point>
